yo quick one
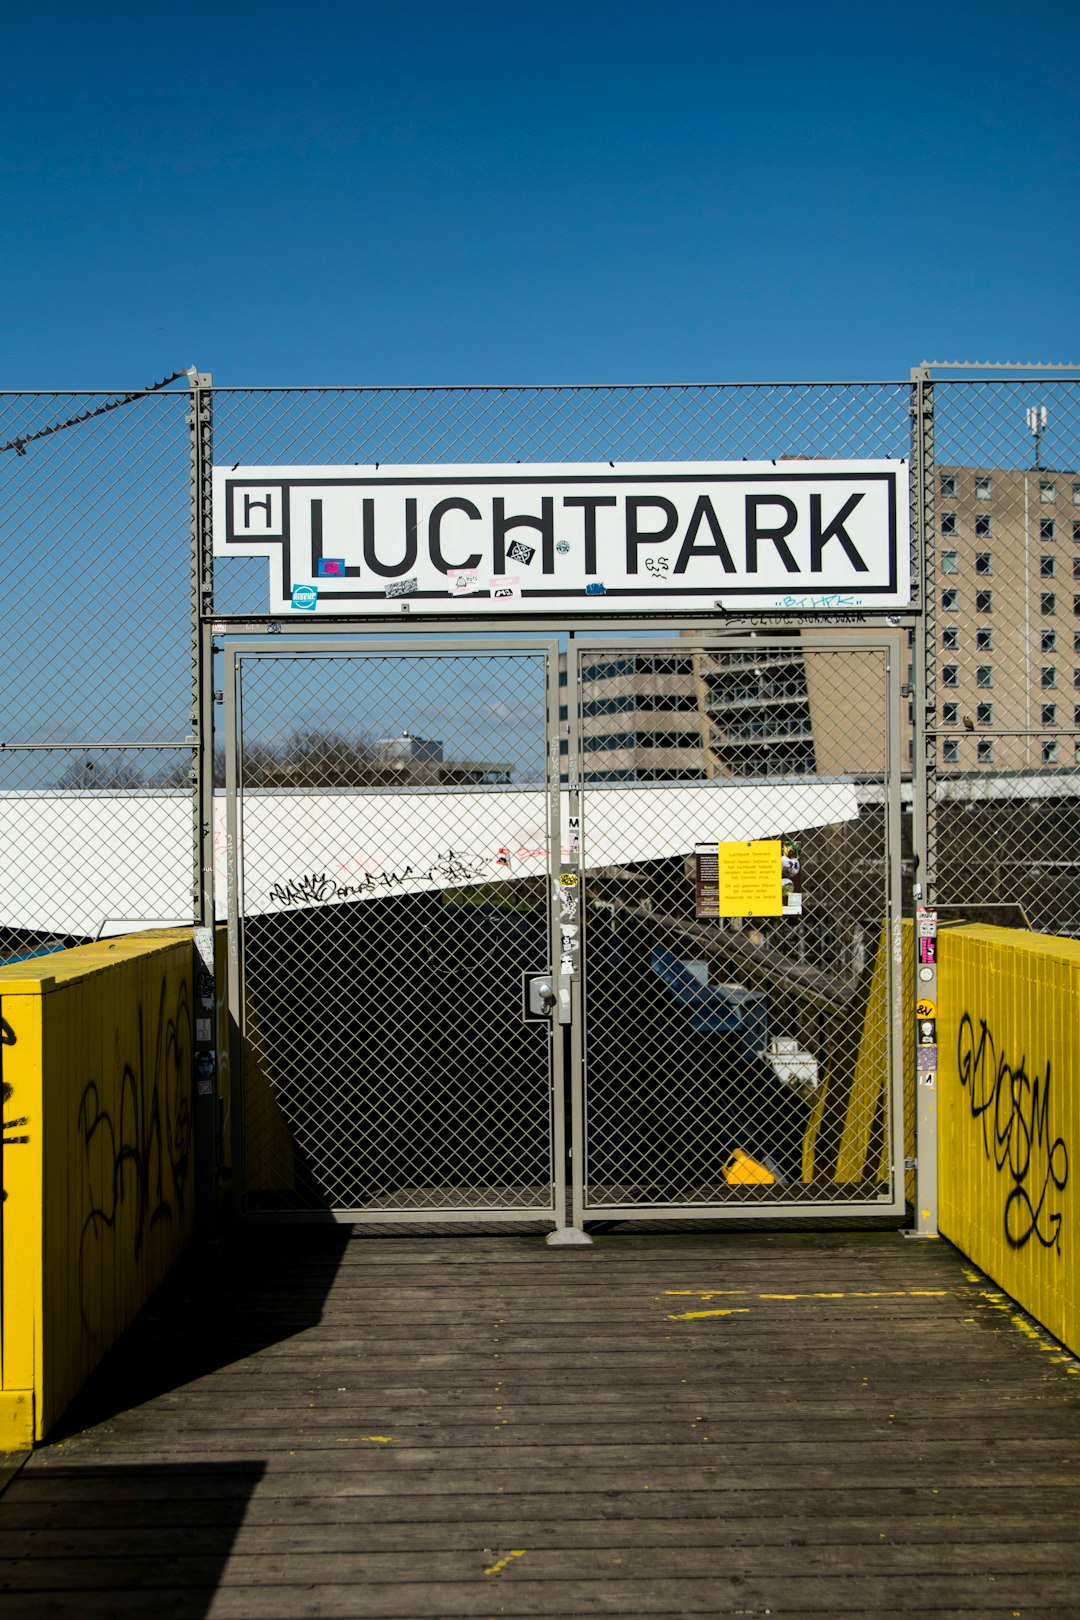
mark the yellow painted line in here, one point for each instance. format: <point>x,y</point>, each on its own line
<point>696,1316</point>
<point>374,1439</point>
<point>853,1293</point>
<point>869,1293</point>
<point>497,1569</point>
<point>704,1293</point>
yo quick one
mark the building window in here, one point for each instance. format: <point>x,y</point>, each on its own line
<point>1076,641</point>
<point>984,601</point>
<point>1048,676</point>
<point>1076,715</point>
<point>1076,605</point>
<point>1076,531</point>
<point>984,639</point>
<point>1076,567</point>
<point>948,523</point>
<point>984,675</point>
<point>950,714</point>
<point>1047,492</point>
<point>984,562</point>
<point>950,599</point>
<point>984,487</point>
<point>984,713</point>
<point>950,674</point>
<point>1048,641</point>
<point>982,526</point>
<point>1046,528</point>
<point>950,639</point>
<point>1049,753</point>
<point>948,485</point>
<point>1047,567</point>
<point>1076,678</point>
<point>1076,494</point>
<point>950,751</point>
<point>950,562</point>
<point>1047,603</point>
<point>1049,714</point>
<point>984,750</point>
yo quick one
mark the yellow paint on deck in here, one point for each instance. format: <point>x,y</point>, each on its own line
<point>364,1439</point>
<point>504,1563</point>
<point>851,1293</point>
<point>696,1316</point>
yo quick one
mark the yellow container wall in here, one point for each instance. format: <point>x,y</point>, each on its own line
<point>100,1063</point>
<point>1009,1114</point>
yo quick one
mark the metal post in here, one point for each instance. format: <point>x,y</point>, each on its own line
<point>924,783</point>
<point>204,1011</point>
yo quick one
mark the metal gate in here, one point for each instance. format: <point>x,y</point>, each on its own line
<point>391,815</point>
<point>738,1063</point>
<point>469,880</point>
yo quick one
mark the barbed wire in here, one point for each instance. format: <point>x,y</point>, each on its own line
<point>19,444</point>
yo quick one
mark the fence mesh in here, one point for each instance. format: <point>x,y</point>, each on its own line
<point>395,825</point>
<point>1004,740</point>
<point>728,1058</point>
<point>95,706</point>
<point>97,744</point>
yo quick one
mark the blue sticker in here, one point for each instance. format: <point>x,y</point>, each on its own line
<point>304,597</point>
<point>594,588</point>
<point>332,566</point>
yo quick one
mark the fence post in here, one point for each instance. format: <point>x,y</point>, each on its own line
<point>205,1056</point>
<point>924,782</point>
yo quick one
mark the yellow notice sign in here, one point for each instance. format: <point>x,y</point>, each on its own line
<point>750,878</point>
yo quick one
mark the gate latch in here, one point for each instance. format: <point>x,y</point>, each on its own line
<point>540,996</point>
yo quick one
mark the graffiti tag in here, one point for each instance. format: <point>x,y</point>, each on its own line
<point>138,1156</point>
<point>1013,1108</point>
<point>7,1038</point>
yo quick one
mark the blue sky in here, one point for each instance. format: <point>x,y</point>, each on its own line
<point>594,192</point>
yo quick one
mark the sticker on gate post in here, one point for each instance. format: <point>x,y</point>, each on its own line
<point>568,892</point>
<point>926,928</point>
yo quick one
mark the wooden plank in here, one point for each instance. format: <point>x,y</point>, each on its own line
<point>885,1441</point>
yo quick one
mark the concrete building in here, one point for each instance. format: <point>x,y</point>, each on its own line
<point>1008,619</point>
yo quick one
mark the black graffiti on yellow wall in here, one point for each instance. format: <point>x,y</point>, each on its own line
<point>138,1152</point>
<point>7,1038</point>
<point>1013,1108</point>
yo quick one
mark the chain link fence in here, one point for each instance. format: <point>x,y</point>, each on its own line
<point>105,698</point>
<point>727,1057</point>
<point>395,821</point>
<point>1003,652</point>
<point>96,731</point>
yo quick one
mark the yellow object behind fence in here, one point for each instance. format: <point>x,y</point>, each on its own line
<point>97,1172</point>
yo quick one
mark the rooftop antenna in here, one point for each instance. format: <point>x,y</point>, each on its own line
<point>1036,421</point>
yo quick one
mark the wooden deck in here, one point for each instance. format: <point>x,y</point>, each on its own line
<point>316,1424</point>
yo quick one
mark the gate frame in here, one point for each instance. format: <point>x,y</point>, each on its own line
<point>209,627</point>
<point>283,649</point>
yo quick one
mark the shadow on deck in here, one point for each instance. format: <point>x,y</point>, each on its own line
<point>316,1423</point>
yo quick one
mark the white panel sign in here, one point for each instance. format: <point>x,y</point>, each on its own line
<point>671,537</point>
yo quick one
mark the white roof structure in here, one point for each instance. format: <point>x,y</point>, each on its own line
<point>101,863</point>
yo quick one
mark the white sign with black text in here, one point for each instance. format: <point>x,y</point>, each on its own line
<point>687,537</point>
